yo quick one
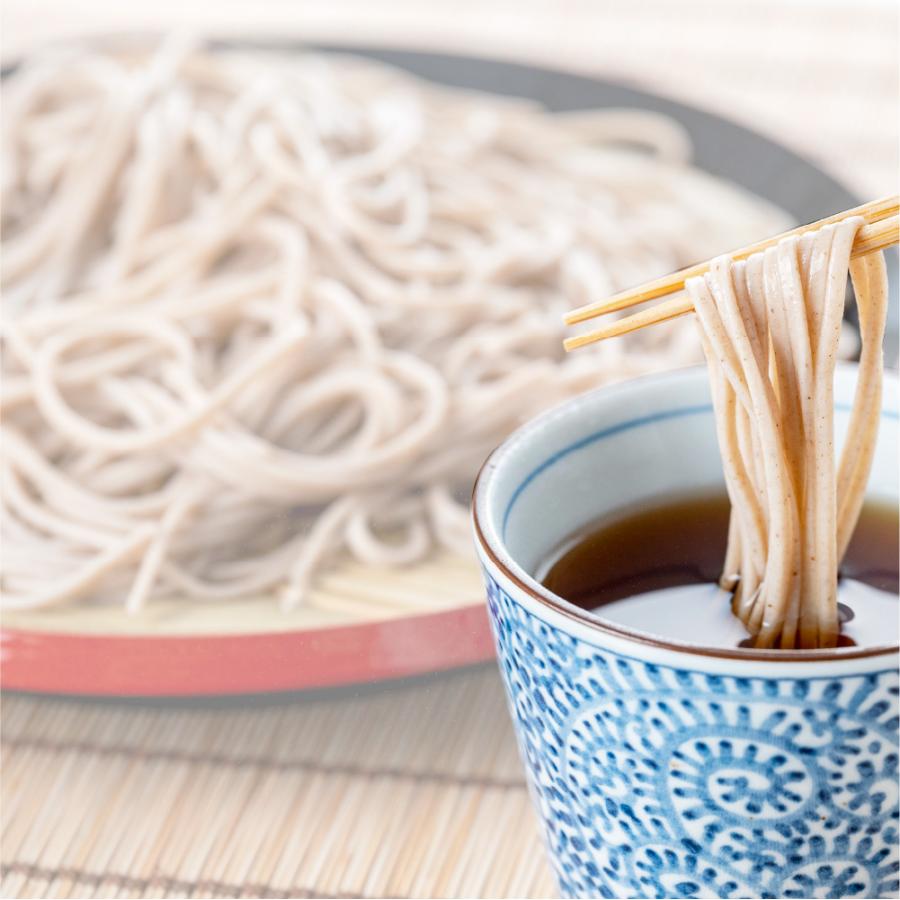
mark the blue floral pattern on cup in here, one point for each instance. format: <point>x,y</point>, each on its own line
<point>655,781</point>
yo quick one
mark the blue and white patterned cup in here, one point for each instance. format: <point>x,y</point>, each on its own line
<point>662,769</point>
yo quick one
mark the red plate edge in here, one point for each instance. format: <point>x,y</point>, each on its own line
<point>59,663</point>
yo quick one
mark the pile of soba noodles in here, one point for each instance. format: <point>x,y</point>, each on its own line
<point>263,310</point>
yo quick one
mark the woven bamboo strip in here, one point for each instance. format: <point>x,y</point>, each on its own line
<point>412,791</point>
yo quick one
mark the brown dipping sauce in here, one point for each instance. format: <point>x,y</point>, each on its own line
<point>683,542</point>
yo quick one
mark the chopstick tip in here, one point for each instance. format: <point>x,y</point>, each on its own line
<point>573,343</point>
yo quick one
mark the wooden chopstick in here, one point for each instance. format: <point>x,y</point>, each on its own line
<point>873,211</point>
<point>881,231</point>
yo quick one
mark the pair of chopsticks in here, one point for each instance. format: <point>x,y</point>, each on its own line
<point>882,229</point>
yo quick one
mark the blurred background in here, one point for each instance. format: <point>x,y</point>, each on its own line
<point>821,77</point>
<point>411,788</point>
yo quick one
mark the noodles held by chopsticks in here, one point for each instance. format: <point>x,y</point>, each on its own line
<point>259,309</point>
<point>770,327</point>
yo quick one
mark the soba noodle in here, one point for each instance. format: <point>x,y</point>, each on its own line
<point>262,309</point>
<point>770,329</point>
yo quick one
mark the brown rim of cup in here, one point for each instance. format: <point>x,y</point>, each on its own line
<point>535,589</point>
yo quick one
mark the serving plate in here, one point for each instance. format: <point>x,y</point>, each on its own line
<point>363,624</point>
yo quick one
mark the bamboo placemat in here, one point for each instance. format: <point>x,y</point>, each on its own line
<point>408,791</point>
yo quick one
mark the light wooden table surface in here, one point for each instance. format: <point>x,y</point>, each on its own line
<point>413,790</point>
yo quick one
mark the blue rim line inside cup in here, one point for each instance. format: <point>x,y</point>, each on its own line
<point>627,425</point>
